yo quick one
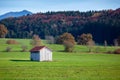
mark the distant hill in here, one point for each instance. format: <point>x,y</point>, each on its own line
<point>15,14</point>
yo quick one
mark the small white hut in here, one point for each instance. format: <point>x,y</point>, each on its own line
<point>41,53</point>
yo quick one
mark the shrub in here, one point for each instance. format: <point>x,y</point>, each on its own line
<point>117,51</point>
<point>97,49</point>
<point>24,48</point>
<point>11,42</point>
<point>8,49</point>
<point>110,52</point>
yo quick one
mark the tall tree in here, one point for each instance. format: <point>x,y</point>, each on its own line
<point>3,31</point>
<point>68,41</point>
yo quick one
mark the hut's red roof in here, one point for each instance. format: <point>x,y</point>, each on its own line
<point>37,48</point>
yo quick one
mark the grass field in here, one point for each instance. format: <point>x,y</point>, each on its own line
<point>79,65</point>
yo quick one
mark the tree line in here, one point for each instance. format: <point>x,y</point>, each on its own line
<point>103,25</point>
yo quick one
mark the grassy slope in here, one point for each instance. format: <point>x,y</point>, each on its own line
<point>78,65</point>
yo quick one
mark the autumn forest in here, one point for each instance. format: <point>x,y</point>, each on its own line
<point>103,25</point>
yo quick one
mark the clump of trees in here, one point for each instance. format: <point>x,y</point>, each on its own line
<point>3,31</point>
<point>36,41</point>
<point>84,38</point>
<point>67,40</point>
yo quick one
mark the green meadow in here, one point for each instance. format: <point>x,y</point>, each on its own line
<point>78,65</point>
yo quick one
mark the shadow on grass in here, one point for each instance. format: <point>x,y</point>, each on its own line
<point>33,61</point>
<point>21,60</point>
<point>67,52</point>
<point>60,51</point>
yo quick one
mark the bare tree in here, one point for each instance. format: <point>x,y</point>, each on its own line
<point>50,39</point>
<point>116,43</point>
<point>90,45</point>
<point>105,43</point>
<point>36,41</point>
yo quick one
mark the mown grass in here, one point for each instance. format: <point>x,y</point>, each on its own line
<point>78,65</point>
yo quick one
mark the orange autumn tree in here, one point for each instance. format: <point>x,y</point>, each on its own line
<point>3,31</point>
<point>67,40</point>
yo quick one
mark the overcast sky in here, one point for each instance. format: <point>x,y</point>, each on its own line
<point>56,5</point>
